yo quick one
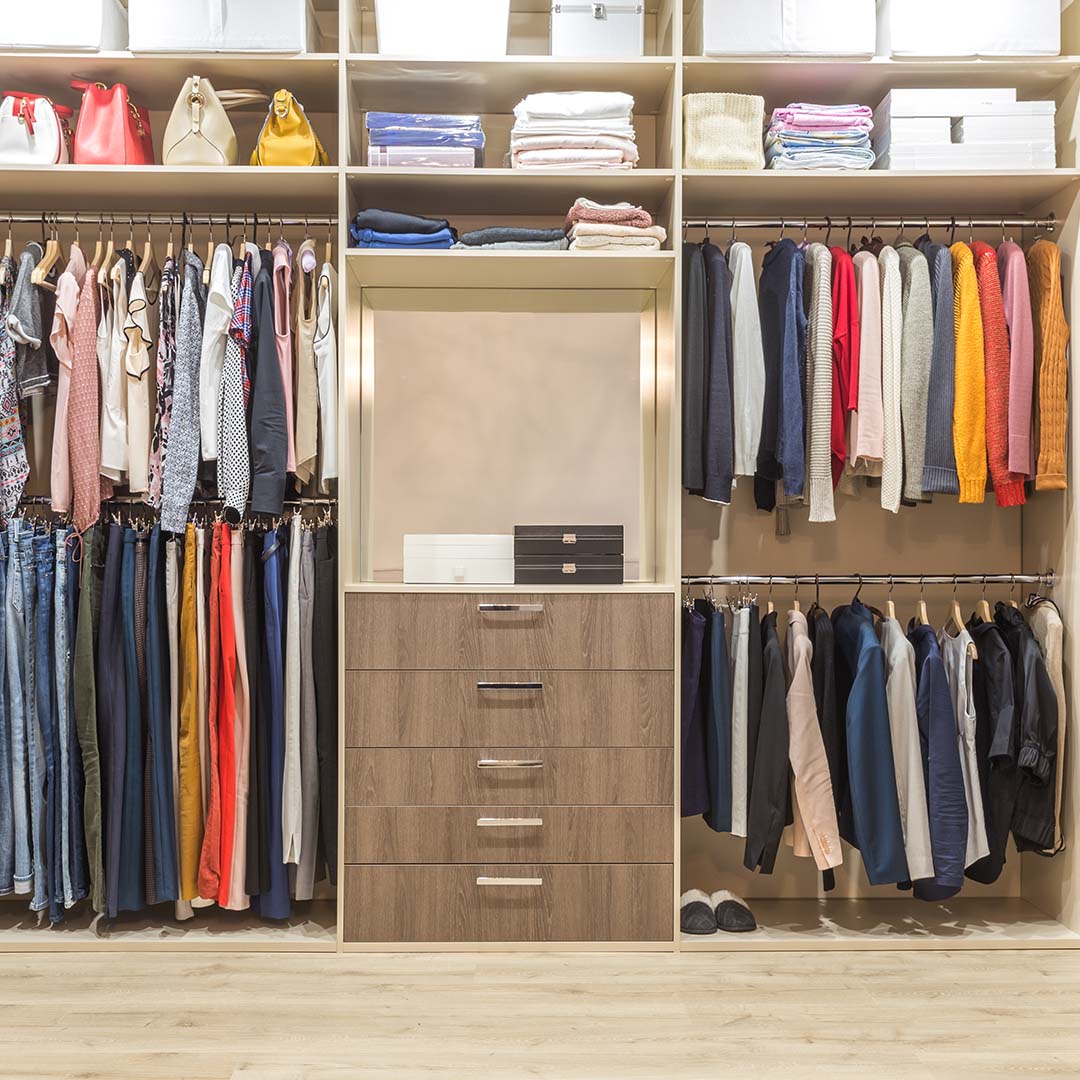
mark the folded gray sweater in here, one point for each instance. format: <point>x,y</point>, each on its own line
<point>518,245</point>
<point>507,234</point>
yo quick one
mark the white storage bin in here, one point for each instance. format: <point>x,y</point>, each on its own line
<point>789,27</point>
<point>62,25</point>
<point>221,26</point>
<point>458,559</point>
<point>964,28</point>
<point>454,29</point>
<point>614,29</point>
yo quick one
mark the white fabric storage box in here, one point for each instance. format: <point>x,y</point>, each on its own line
<point>789,27</point>
<point>454,29</point>
<point>613,29</point>
<point>61,25</point>
<point>964,28</point>
<point>458,559</point>
<point>221,26</point>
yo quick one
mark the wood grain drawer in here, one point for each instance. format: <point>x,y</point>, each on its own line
<point>508,834</point>
<point>425,631</point>
<point>571,903</point>
<point>529,708</point>
<point>567,777</point>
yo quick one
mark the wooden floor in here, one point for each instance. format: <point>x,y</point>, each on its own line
<point>505,1017</point>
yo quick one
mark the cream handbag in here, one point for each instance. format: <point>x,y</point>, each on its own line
<point>33,130</point>
<point>199,131</point>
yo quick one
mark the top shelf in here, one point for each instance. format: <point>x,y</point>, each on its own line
<point>830,79</point>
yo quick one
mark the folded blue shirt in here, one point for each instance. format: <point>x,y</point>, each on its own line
<point>369,238</point>
<point>424,129</point>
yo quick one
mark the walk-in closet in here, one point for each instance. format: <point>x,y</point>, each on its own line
<point>447,557</point>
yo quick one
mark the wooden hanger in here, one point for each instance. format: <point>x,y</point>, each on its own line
<point>956,619</point>
<point>770,609</point>
<point>209,254</point>
<point>169,247</point>
<point>53,251</point>
<point>329,242</point>
<point>921,616</point>
<point>110,248</point>
<point>890,607</point>
<point>9,243</point>
<point>983,609</point>
<point>795,602</point>
<point>147,263</point>
<point>95,262</point>
<point>1012,594</point>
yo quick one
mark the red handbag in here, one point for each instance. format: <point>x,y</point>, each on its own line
<point>112,130</point>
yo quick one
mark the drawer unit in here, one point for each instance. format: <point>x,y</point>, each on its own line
<point>508,834</point>
<point>517,902</point>
<point>468,631</point>
<point>494,708</point>
<point>497,776</point>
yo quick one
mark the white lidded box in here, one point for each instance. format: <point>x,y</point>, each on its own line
<point>789,27</point>
<point>91,25</point>
<point>458,559</point>
<point>962,28</point>
<point>280,26</point>
<point>612,29</point>
<point>476,30</point>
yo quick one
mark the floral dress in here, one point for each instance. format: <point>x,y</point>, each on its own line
<point>14,467</point>
<point>166,359</point>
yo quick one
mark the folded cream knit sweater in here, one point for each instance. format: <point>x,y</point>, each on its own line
<point>723,131</point>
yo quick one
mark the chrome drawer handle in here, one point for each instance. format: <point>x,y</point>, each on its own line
<point>496,763</point>
<point>532,881</point>
<point>509,822</point>
<point>509,686</point>
<point>509,607</point>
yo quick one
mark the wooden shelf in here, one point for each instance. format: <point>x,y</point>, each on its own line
<point>311,928</point>
<point>398,587</point>
<point>838,193</point>
<point>514,269</point>
<point>839,80</point>
<point>173,189</point>
<point>396,84</point>
<point>156,79</point>
<point>504,191</point>
<point>905,924</point>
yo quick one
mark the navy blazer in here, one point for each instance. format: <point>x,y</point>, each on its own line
<point>873,824</point>
<point>942,770</point>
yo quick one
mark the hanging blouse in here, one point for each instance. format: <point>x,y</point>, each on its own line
<point>14,468</point>
<point>140,336</point>
<point>234,461</point>
<point>219,310</point>
<point>112,356</point>
<point>283,336</point>
<point>62,339</point>
<point>326,364</point>
<point>307,387</point>
<point>166,358</point>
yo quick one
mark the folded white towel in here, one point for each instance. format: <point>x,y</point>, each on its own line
<point>575,103</point>
<point>576,142</point>
<point>619,129</point>
<point>603,243</point>
<point>602,228</point>
<point>567,158</point>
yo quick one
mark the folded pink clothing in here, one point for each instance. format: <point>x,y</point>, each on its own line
<point>586,210</point>
<point>824,116</point>
<point>569,158</point>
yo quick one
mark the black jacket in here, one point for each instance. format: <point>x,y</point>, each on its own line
<point>695,353</point>
<point>268,438</point>
<point>1036,703</point>
<point>996,740</point>
<point>771,793</point>
<point>695,785</point>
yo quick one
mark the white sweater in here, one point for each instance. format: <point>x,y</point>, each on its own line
<point>819,377</point>
<point>748,358</point>
<point>892,327</point>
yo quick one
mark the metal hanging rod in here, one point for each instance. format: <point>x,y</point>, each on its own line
<point>845,221</point>
<point>1047,578</point>
<point>137,501</point>
<point>112,217</point>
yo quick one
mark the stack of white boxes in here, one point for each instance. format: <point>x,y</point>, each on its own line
<point>963,129</point>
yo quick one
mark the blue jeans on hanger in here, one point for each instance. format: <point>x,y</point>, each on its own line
<point>45,698</point>
<point>163,811</point>
<point>7,816</point>
<point>15,642</point>
<point>131,890</point>
<point>35,750</point>
<point>79,872</point>
<point>275,903</point>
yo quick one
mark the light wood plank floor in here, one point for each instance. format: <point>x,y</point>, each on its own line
<point>498,1016</point>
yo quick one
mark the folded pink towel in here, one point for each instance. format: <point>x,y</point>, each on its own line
<point>624,214</point>
<point>805,116</point>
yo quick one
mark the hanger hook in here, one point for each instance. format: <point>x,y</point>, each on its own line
<point>952,230</point>
<point>796,588</point>
<point>971,231</point>
<point>783,227</point>
<point>1003,230</point>
<point>955,583</point>
<point>805,231</point>
<point>850,226</point>
<point>817,589</point>
<point>1012,588</point>
<point>732,241</point>
<point>922,588</point>
<point>859,589</point>
<point>828,229</point>
<point>984,587</point>
<point>892,585</point>
<point>927,226</point>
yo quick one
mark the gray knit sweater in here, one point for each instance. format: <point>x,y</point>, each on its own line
<point>939,470</point>
<point>819,378</point>
<point>915,359</point>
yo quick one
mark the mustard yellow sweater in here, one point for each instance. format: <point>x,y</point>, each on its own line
<point>1051,363</point>
<point>969,406</point>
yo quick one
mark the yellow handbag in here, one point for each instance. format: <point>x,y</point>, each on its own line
<point>287,137</point>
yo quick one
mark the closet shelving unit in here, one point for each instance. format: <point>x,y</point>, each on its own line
<point>1036,903</point>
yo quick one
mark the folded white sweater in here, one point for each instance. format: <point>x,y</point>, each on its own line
<point>590,104</point>
<point>600,243</point>
<point>582,229</point>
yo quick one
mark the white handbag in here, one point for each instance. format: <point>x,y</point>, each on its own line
<point>199,131</point>
<point>33,130</point>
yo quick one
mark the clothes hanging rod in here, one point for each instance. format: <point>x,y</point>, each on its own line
<point>135,500</point>
<point>114,218</point>
<point>1047,578</point>
<point>843,221</point>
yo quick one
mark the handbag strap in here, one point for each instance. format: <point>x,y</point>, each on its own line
<point>233,99</point>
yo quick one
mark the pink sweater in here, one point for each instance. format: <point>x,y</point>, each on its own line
<point>1012,269</point>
